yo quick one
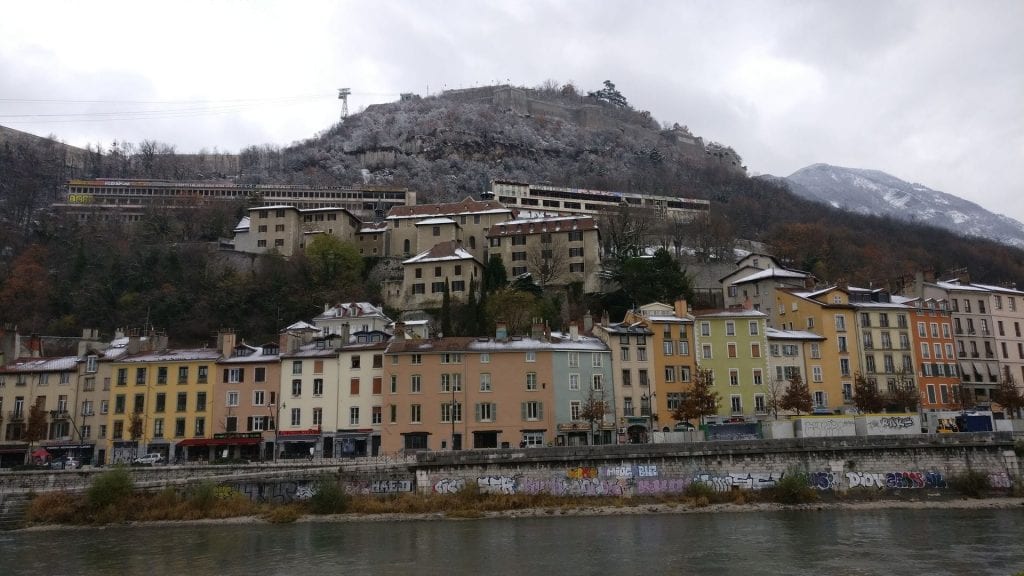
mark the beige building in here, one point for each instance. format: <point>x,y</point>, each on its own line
<point>287,230</point>
<point>756,278</point>
<point>555,251</point>
<point>467,222</point>
<point>425,276</point>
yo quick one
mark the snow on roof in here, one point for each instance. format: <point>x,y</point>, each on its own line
<point>792,334</point>
<point>59,364</point>
<point>999,289</point>
<point>450,250</point>
<point>954,285</point>
<point>730,313</point>
<point>256,354</point>
<point>434,221</point>
<point>243,224</point>
<point>559,341</point>
<point>771,273</point>
<point>175,355</point>
<point>625,328</point>
<point>673,318</point>
<point>300,326</point>
<point>466,206</point>
<point>371,230</point>
<point>351,310</point>
<point>274,207</point>
<point>542,225</point>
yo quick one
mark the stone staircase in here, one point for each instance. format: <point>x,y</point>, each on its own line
<point>12,511</point>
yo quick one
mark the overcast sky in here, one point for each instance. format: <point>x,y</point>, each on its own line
<point>929,91</point>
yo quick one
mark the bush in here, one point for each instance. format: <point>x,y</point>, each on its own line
<point>285,514</point>
<point>203,496</point>
<point>698,490</point>
<point>54,508</point>
<point>793,488</point>
<point>329,498</point>
<point>972,484</point>
<point>110,488</point>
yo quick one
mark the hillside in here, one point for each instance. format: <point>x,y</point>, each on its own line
<point>876,193</point>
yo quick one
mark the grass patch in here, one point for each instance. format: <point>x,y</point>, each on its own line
<point>283,514</point>
<point>110,488</point>
<point>972,484</point>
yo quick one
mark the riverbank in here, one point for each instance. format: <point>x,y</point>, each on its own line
<point>576,511</point>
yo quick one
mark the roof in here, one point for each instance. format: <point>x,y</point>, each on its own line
<point>541,225</point>
<point>300,326</point>
<point>274,207</point>
<point>243,224</point>
<point>58,364</point>
<point>351,310</point>
<point>435,221</point>
<point>626,328</point>
<point>466,206</point>
<point>256,354</point>
<point>772,273</point>
<point>174,355</point>
<point>450,250</point>
<point>738,313</point>
<point>559,341</point>
<point>773,333</point>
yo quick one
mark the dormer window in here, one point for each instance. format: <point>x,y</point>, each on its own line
<point>90,363</point>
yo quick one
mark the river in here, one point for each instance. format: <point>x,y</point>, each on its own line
<point>931,542</point>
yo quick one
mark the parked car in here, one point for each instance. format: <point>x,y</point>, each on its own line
<point>66,463</point>
<point>150,459</point>
<point>683,427</point>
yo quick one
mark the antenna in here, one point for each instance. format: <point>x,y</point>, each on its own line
<point>343,94</point>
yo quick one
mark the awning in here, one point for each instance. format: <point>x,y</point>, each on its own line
<point>219,442</point>
<point>8,450</point>
<point>977,368</point>
<point>966,368</point>
<point>299,438</point>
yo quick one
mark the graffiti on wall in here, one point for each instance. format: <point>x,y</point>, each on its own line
<point>390,486</point>
<point>739,481</point>
<point>276,492</point>
<point>895,480</point>
<point>896,422</point>
<point>824,480</point>
<point>449,485</point>
<point>1000,480</point>
<point>496,484</point>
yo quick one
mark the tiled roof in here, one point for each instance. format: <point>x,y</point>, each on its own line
<point>450,250</point>
<point>541,226</point>
<point>467,206</point>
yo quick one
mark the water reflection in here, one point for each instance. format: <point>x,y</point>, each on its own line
<point>828,542</point>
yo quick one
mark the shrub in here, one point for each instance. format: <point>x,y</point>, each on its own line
<point>284,514</point>
<point>110,488</point>
<point>329,498</point>
<point>793,488</point>
<point>698,490</point>
<point>972,483</point>
<point>54,508</point>
<point>203,495</point>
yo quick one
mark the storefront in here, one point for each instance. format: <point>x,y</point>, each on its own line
<point>223,446</point>
<point>353,444</point>
<point>299,443</point>
<point>13,454</point>
<point>83,453</point>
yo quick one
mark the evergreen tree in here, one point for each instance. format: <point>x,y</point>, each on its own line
<point>446,310</point>
<point>609,95</point>
<point>495,276</point>
<point>797,395</point>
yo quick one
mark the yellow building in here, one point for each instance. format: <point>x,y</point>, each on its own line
<point>828,313</point>
<point>162,402</point>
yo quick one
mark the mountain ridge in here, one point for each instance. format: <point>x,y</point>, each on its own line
<point>877,193</point>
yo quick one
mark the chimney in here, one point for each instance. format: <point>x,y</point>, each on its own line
<point>588,323</point>
<point>288,342</point>
<point>89,336</point>
<point>681,309</point>
<point>399,331</point>
<point>605,321</point>
<point>226,342</point>
<point>35,346</point>
<point>809,283</point>
<point>537,329</point>
<point>134,344</point>
<point>574,331</point>
<point>501,331</point>
<point>964,278</point>
<point>345,333</point>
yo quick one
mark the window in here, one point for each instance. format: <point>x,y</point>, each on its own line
<point>232,398</point>
<point>819,399</point>
<point>451,382</point>
<point>531,380</point>
<point>575,235</point>
<point>531,356</point>
<point>451,412</point>
<point>754,330</point>
<point>598,382</point>
<point>840,323</point>
<point>731,349</point>
<point>574,359</point>
<point>200,401</point>
<point>416,384</point>
<point>730,328</point>
<point>684,373</point>
<point>644,380</point>
<point>122,376</point>
<point>532,410</point>
<point>576,252</point>
<point>758,377</point>
<point>182,402</point>
<point>296,388</point>
<point>200,426</point>
<point>452,358</point>
<point>815,350</point>
<point>415,413</point>
<point>921,330</point>
<point>179,427</point>
<point>759,404</point>
<point>353,416</point>
<point>297,367</point>
<point>670,374</point>
<point>624,354</point>
<point>119,404</point>
<point>574,381</point>
<point>684,348</point>
<point>705,351</point>
<point>233,375</point>
<point>734,377</point>
<point>844,366</point>
<point>436,287</point>
<point>158,428</point>
<point>641,354</point>
<point>416,359</point>
<point>705,329</point>
<point>140,376</point>
<point>203,374</point>
<point>736,404</point>
<point>485,358</point>
<point>318,386</point>
<point>755,350</point>
<point>296,416</point>
<point>574,409</point>
<point>485,412</point>
<point>597,360</point>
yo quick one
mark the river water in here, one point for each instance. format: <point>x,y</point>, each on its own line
<point>931,542</point>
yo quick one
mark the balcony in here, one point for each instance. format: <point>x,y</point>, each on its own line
<point>59,414</point>
<point>15,416</point>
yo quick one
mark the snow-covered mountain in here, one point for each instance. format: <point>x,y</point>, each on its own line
<point>877,193</point>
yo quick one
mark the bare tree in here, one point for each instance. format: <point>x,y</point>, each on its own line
<point>773,391</point>
<point>593,410</point>
<point>625,231</point>
<point>35,430</point>
<point>548,262</point>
